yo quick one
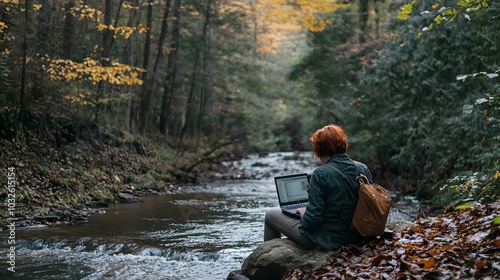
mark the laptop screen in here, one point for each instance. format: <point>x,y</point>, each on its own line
<point>292,188</point>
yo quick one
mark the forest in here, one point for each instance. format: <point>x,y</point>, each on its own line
<point>191,83</point>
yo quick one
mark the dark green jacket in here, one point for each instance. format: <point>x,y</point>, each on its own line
<point>331,203</point>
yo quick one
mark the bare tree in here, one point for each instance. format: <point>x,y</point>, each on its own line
<point>69,30</point>
<point>363,19</point>
<point>153,78</point>
<point>107,40</point>
<point>171,70</point>
<point>194,111</point>
<point>128,58</point>
<point>146,96</point>
<point>22,99</point>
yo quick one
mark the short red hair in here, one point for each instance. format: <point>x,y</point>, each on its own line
<point>328,141</point>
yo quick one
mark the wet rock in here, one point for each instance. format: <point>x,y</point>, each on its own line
<point>78,217</point>
<point>273,259</point>
<point>236,275</point>
<point>127,198</point>
<point>35,226</point>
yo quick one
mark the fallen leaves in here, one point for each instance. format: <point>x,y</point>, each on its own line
<point>460,245</point>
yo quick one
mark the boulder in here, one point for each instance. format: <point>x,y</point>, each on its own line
<point>273,259</point>
<point>127,198</point>
<point>236,275</point>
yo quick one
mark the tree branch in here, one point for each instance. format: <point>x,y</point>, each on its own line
<point>326,110</point>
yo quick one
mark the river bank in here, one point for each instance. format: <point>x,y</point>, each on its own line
<point>65,183</point>
<point>464,244</point>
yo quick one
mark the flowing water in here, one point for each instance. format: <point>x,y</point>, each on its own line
<point>203,232</point>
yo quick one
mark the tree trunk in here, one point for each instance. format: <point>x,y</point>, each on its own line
<point>188,124</point>
<point>69,30</point>
<point>44,31</point>
<point>107,36</point>
<point>168,91</point>
<point>161,41</point>
<point>253,11</point>
<point>192,112</point>
<point>205,84</point>
<point>22,99</point>
<point>107,39</point>
<point>153,78</point>
<point>128,58</point>
<point>146,98</point>
<point>363,19</point>
<point>377,18</point>
<point>117,17</point>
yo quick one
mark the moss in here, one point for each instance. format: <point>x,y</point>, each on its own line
<point>151,175</point>
<point>60,182</point>
<point>40,167</point>
<point>68,213</point>
<point>102,197</point>
<point>156,187</point>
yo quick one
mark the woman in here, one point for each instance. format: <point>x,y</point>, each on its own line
<point>333,195</point>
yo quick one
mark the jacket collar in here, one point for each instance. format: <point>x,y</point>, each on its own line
<point>338,157</point>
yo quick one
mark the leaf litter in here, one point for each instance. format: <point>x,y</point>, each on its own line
<point>458,245</point>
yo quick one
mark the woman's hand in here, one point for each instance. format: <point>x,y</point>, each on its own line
<point>301,211</point>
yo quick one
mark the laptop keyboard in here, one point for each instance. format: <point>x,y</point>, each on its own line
<point>295,206</point>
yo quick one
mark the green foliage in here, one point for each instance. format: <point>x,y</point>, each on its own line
<point>474,188</point>
<point>329,72</point>
<point>414,104</point>
<point>444,12</point>
<point>406,10</point>
<point>464,206</point>
<point>324,62</point>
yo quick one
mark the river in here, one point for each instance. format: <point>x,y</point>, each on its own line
<point>203,232</point>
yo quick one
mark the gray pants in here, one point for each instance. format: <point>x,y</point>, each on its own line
<point>277,223</point>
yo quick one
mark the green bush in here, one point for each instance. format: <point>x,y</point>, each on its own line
<point>473,188</point>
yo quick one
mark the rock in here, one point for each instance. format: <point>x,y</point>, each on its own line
<point>236,275</point>
<point>37,226</point>
<point>273,259</point>
<point>127,198</point>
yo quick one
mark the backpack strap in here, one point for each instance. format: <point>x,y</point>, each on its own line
<point>356,183</point>
<point>349,202</point>
<point>338,171</point>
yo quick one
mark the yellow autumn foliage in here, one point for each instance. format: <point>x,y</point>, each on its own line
<point>83,11</point>
<point>14,2</point>
<point>37,7</point>
<point>497,175</point>
<point>5,37</point>
<point>276,20</point>
<point>92,70</point>
<point>304,12</point>
<point>130,6</point>
<point>125,31</point>
<point>3,25</point>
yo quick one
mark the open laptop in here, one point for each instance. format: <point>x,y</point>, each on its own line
<point>292,192</point>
